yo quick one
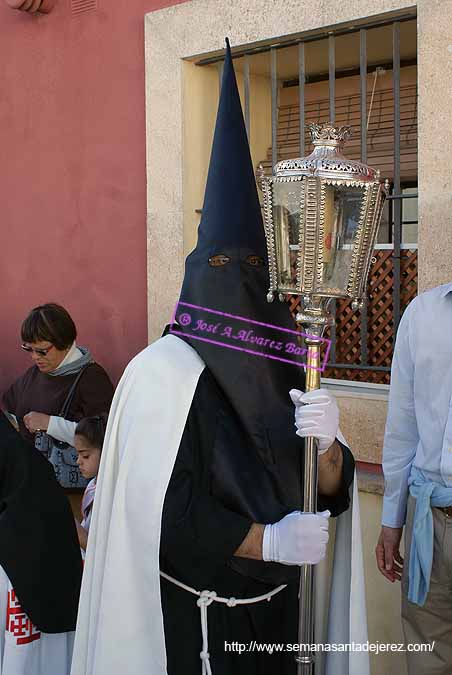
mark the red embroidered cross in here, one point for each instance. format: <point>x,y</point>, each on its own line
<point>18,623</point>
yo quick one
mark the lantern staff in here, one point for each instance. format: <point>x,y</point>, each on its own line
<point>321,218</point>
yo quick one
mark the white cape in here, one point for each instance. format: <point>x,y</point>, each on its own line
<point>120,622</point>
<point>24,650</point>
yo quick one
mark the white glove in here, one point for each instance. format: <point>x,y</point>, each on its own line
<point>316,414</point>
<point>297,539</point>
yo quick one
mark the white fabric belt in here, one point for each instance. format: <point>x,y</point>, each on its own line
<point>205,598</point>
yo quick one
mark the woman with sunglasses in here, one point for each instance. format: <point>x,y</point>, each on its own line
<point>38,396</point>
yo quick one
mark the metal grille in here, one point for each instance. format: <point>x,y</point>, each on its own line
<point>379,335</point>
<point>82,6</point>
<point>362,343</point>
<point>380,130</point>
<point>380,321</point>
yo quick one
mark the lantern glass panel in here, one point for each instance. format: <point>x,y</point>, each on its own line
<point>286,217</point>
<point>341,221</point>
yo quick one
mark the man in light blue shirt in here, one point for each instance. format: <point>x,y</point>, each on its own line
<point>417,464</point>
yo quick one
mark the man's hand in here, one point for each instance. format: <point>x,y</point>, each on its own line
<point>316,414</point>
<point>389,560</point>
<point>35,421</point>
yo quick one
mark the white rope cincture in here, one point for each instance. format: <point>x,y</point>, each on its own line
<point>205,598</point>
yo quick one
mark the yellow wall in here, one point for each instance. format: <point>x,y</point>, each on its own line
<point>261,118</point>
<point>200,101</point>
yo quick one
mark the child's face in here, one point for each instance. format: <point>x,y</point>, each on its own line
<point>88,458</point>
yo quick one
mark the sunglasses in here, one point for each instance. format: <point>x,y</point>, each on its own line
<point>39,352</point>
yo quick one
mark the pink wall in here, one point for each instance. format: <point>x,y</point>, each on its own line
<point>72,175</point>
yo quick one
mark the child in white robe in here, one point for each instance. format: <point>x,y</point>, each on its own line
<point>88,441</point>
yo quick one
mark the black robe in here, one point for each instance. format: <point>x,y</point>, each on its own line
<point>39,548</point>
<point>206,516</point>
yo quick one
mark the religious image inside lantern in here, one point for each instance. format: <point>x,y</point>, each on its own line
<point>287,214</point>
<point>341,220</point>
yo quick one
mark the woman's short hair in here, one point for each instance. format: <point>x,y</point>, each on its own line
<point>93,429</point>
<point>51,323</point>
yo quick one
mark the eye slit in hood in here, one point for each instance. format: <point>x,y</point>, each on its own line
<point>255,261</point>
<point>219,260</point>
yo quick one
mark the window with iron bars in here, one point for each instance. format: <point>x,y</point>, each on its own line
<point>365,77</point>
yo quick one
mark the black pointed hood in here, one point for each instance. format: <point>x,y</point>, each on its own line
<point>231,214</point>
<point>228,272</point>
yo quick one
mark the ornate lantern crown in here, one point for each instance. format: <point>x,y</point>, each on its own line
<point>327,160</point>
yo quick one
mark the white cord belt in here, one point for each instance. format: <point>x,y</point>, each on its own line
<point>205,598</point>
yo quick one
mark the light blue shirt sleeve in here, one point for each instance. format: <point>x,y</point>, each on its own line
<point>401,433</point>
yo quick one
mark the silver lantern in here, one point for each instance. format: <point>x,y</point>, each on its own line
<point>321,217</point>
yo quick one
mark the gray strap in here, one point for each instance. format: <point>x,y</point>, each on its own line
<point>70,397</point>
